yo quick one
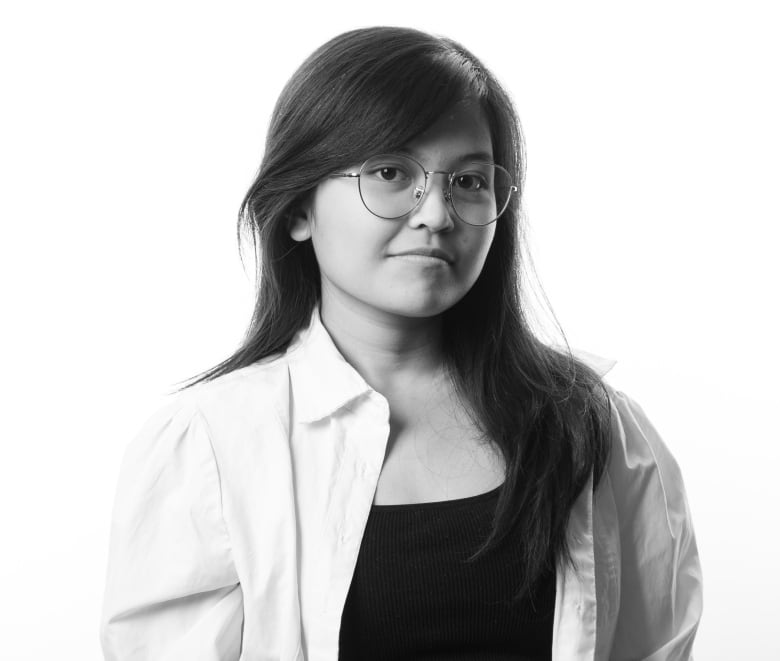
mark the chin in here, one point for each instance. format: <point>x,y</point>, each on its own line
<point>424,307</point>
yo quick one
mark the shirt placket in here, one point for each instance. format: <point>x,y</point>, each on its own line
<point>364,450</point>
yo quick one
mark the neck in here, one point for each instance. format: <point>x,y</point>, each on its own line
<point>387,350</point>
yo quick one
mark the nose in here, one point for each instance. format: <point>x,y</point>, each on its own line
<point>433,211</point>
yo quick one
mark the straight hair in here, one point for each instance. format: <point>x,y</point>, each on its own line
<point>371,91</point>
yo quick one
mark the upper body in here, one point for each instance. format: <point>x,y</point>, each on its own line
<point>388,204</point>
<point>251,494</point>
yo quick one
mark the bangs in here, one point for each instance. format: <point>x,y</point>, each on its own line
<point>398,108</point>
<point>371,104</point>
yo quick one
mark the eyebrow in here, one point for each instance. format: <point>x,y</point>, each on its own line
<point>471,156</point>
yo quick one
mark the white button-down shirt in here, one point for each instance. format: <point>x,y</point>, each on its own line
<point>241,507</point>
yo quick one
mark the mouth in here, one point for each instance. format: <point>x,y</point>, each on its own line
<point>426,255</point>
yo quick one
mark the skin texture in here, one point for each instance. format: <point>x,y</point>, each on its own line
<point>359,253</point>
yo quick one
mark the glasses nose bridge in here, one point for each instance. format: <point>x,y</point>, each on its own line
<point>440,216</point>
<point>420,191</point>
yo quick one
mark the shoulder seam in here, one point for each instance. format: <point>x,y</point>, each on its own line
<point>199,414</point>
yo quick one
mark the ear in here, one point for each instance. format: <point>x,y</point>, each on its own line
<point>299,223</point>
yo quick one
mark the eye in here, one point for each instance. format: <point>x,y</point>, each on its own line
<point>390,173</point>
<point>471,182</point>
<point>389,169</point>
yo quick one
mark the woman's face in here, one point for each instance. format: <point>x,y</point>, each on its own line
<point>365,261</point>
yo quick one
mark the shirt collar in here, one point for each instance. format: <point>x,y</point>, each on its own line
<point>598,364</point>
<point>322,381</point>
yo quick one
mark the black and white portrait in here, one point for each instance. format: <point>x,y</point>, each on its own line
<point>389,332</point>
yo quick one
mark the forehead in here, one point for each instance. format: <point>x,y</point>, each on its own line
<point>461,133</point>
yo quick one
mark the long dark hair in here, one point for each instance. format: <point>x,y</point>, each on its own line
<point>374,90</point>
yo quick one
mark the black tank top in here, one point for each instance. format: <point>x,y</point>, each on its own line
<point>413,596</point>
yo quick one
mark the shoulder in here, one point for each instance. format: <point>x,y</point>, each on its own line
<point>229,406</point>
<point>646,479</point>
<point>256,385</point>
<point>637,444</point>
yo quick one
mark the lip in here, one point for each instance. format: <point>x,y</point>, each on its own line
<point>436,253</point>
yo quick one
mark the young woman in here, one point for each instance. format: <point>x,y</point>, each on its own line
<point>392,466</point>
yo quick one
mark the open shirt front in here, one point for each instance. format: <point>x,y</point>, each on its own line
<point>241,506</point>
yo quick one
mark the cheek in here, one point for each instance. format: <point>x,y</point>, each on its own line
<point>477,241</point>
<point>342,251</point>
<point>345,236</point>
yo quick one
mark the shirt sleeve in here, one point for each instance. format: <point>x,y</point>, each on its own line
<point>172,591</point>
<point>661,582</point>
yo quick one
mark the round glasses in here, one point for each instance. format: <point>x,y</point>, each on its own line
<point>393,185</point>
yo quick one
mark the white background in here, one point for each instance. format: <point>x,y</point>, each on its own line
<point>131,131</point>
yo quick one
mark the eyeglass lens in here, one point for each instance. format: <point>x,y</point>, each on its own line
<point>391,186</point>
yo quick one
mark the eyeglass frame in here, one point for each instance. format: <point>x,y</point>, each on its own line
<point>421,193</point>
